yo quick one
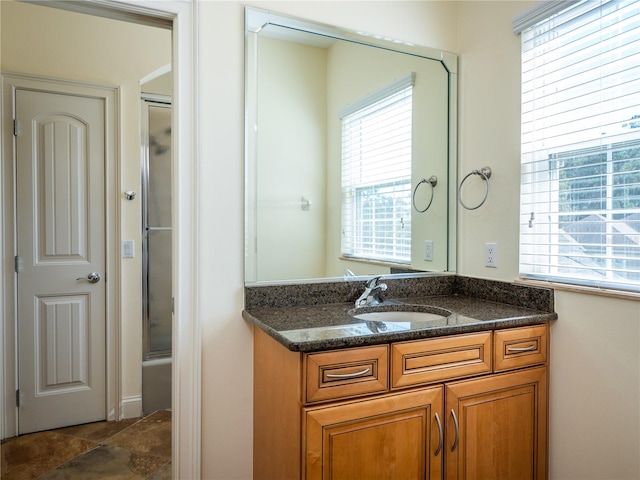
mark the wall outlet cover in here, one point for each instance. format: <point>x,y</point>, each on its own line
<point>490,255</point>
<point>428,250</point>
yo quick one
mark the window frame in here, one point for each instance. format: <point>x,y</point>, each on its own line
<point>603,221</point>
<point>394,246</point>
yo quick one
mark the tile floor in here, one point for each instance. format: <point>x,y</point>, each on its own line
<point>131,449</point>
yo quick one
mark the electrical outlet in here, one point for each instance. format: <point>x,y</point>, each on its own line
<point>490,255</point>
<point>428,250</point>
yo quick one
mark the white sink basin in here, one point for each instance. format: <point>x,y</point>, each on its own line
<point>389,318</point>
<point>400,313</point>
<point>399,316</point>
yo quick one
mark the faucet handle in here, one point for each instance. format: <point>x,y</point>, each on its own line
<point>373,282</point>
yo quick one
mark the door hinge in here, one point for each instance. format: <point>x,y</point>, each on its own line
<point>18,264</point>
<point>18,398</point>
<point>16,127</point>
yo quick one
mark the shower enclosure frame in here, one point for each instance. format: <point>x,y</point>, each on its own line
<point>163,101</point>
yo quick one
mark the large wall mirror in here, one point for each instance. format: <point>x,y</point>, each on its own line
<point>350,153</point>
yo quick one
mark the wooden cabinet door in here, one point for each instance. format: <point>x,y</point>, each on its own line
<point>496,427</point>
<point>390,437</point>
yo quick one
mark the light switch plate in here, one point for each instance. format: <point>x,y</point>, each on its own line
<point>127,248</point>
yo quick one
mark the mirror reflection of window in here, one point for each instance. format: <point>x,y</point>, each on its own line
<point>376,174</point>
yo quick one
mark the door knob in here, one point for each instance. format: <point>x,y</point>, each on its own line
<point>93,277</point>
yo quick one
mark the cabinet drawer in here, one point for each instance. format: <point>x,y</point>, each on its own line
<point>440,359</point>
<point>346,373</point>
<point>520,347</point>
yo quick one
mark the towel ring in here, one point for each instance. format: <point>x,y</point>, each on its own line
<point>433,181</point>
<point>485,173</point>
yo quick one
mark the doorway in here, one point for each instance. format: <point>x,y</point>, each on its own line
<point>113,53</point>
<point>186,347</point>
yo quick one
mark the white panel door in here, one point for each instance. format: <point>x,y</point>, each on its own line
<point>60,215</point>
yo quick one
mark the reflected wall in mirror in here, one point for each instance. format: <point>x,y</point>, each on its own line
<point>350,164</point>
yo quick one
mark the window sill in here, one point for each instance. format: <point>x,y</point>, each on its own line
<point>603,292</point>
<point>375,262</point>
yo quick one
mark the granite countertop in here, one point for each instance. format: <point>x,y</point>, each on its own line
<point>326,326</point>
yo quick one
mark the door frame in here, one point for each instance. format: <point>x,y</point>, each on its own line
<point>182,15</point>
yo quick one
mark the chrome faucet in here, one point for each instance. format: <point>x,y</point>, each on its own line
<point>371,295</point>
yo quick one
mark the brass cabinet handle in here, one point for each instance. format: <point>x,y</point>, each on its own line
<point>440,435</point>
<point>522,349</point>
<point>455,422</point>
<point>348,375</point>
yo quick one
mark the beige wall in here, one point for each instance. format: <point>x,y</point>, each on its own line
<point>227,339</point>
<point>159,84</point>
<point>595,379</point>
<point>55,43</point>
<point>291,99</point>
<point>595,343</point>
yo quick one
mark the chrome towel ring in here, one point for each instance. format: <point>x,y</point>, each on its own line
<point>485,173</point>
<point>433,181</point>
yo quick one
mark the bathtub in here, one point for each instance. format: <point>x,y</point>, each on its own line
<point>156,384</point>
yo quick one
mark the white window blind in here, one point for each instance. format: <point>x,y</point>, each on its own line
<point>580,188</point>
<point>376,175</point>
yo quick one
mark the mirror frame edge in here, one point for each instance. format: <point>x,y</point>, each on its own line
<point>255,20</point>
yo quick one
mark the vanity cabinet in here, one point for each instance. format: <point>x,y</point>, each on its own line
<point>461,406</point>
<point>391,436</point>
<point>497,426</point>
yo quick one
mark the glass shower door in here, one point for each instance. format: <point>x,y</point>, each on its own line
<point>156,186</point>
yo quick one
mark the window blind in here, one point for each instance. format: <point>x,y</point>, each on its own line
<point>538,13</point>
<point>580,186</point>
<point>376,175</point>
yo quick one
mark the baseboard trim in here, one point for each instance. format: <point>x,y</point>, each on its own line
<point>131,407</point>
